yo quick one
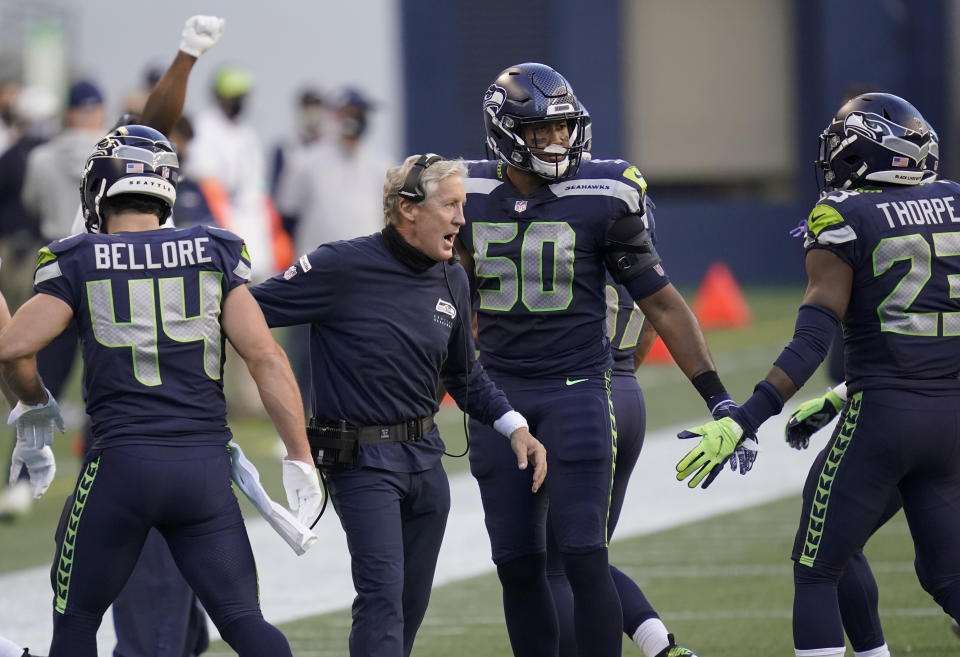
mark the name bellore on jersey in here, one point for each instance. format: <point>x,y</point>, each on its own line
<point>919,212</point>
<point>162,255</point>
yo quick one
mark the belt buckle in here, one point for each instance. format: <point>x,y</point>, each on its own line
<point>414,430</point>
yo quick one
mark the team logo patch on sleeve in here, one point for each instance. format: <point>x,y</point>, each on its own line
<point>633,174</point>
<point>290,272</point>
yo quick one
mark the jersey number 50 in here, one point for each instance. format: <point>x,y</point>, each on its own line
<point>140,333</point>
<point>541,289</point>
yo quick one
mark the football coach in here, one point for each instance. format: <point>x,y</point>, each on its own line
<point>389,317</point>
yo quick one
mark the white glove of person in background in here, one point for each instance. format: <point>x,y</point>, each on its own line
<point>200,33</point>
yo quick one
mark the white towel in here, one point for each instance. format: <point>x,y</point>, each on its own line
<point>297,535</point>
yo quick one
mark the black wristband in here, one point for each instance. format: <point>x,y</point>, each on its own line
<point>708,385</point>
<point>764,403</point>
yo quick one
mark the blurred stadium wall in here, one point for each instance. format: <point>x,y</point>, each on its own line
<point>718,103</point>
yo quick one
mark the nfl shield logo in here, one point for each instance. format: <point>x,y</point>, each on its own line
<point>520,206</point>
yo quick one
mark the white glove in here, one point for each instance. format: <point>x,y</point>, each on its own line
<point>200,33</point>
<point>35,424</point>
<point>40,465</point>
<point>304,496</point>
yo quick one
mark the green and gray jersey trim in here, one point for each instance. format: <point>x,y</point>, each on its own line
<point>47,266</point>
<point>826,226</point>
<point>821,497</point>
<point>242,270</point>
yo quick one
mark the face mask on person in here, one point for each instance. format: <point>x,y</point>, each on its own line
<point>353,126</point>
<point>232,107</point>
<point>311,122</point>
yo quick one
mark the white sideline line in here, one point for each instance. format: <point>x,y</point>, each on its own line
<point>655,501</point>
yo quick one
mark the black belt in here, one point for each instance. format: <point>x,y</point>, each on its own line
<point>411,430</point>
<point>405,431</point>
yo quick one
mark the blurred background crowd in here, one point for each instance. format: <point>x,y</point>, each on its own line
<point>298,111</point>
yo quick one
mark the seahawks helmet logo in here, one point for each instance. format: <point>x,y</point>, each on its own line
<point>892,136</point>
<point>494,99</point>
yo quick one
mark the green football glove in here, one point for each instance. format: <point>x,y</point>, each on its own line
<point>718,440</point>
<point>809,417</point>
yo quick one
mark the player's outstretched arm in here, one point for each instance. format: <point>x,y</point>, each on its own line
<point>825,301</point>
<point>673,320</point>
<point>37,414</point>
<point>165,103</point>
<point>247,330</point>
<point>670,316</point>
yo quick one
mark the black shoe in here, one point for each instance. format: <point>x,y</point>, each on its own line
<point>673,650</point>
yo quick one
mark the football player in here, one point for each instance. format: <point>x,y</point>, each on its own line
<point>631,338</point>
<point>857,591</point>
<point>544,226</point>
<point>154,307</point>
<point>882,255</point>
<point>156,589</point>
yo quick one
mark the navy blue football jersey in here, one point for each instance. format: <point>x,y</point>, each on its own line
<point>540,268</point>
<point>147,306</point>
<point>902,327</point>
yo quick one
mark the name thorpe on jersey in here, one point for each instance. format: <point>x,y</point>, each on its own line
<point>918,212</point>
<point>162,255</point>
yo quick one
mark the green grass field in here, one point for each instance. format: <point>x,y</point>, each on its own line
<point>722,585</point>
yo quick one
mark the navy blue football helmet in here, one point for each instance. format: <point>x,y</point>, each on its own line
<point>131,159</point>
<point>527,94</point>
<point>877,137</point>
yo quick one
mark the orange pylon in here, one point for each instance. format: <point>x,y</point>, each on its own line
<point>720,302</point>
